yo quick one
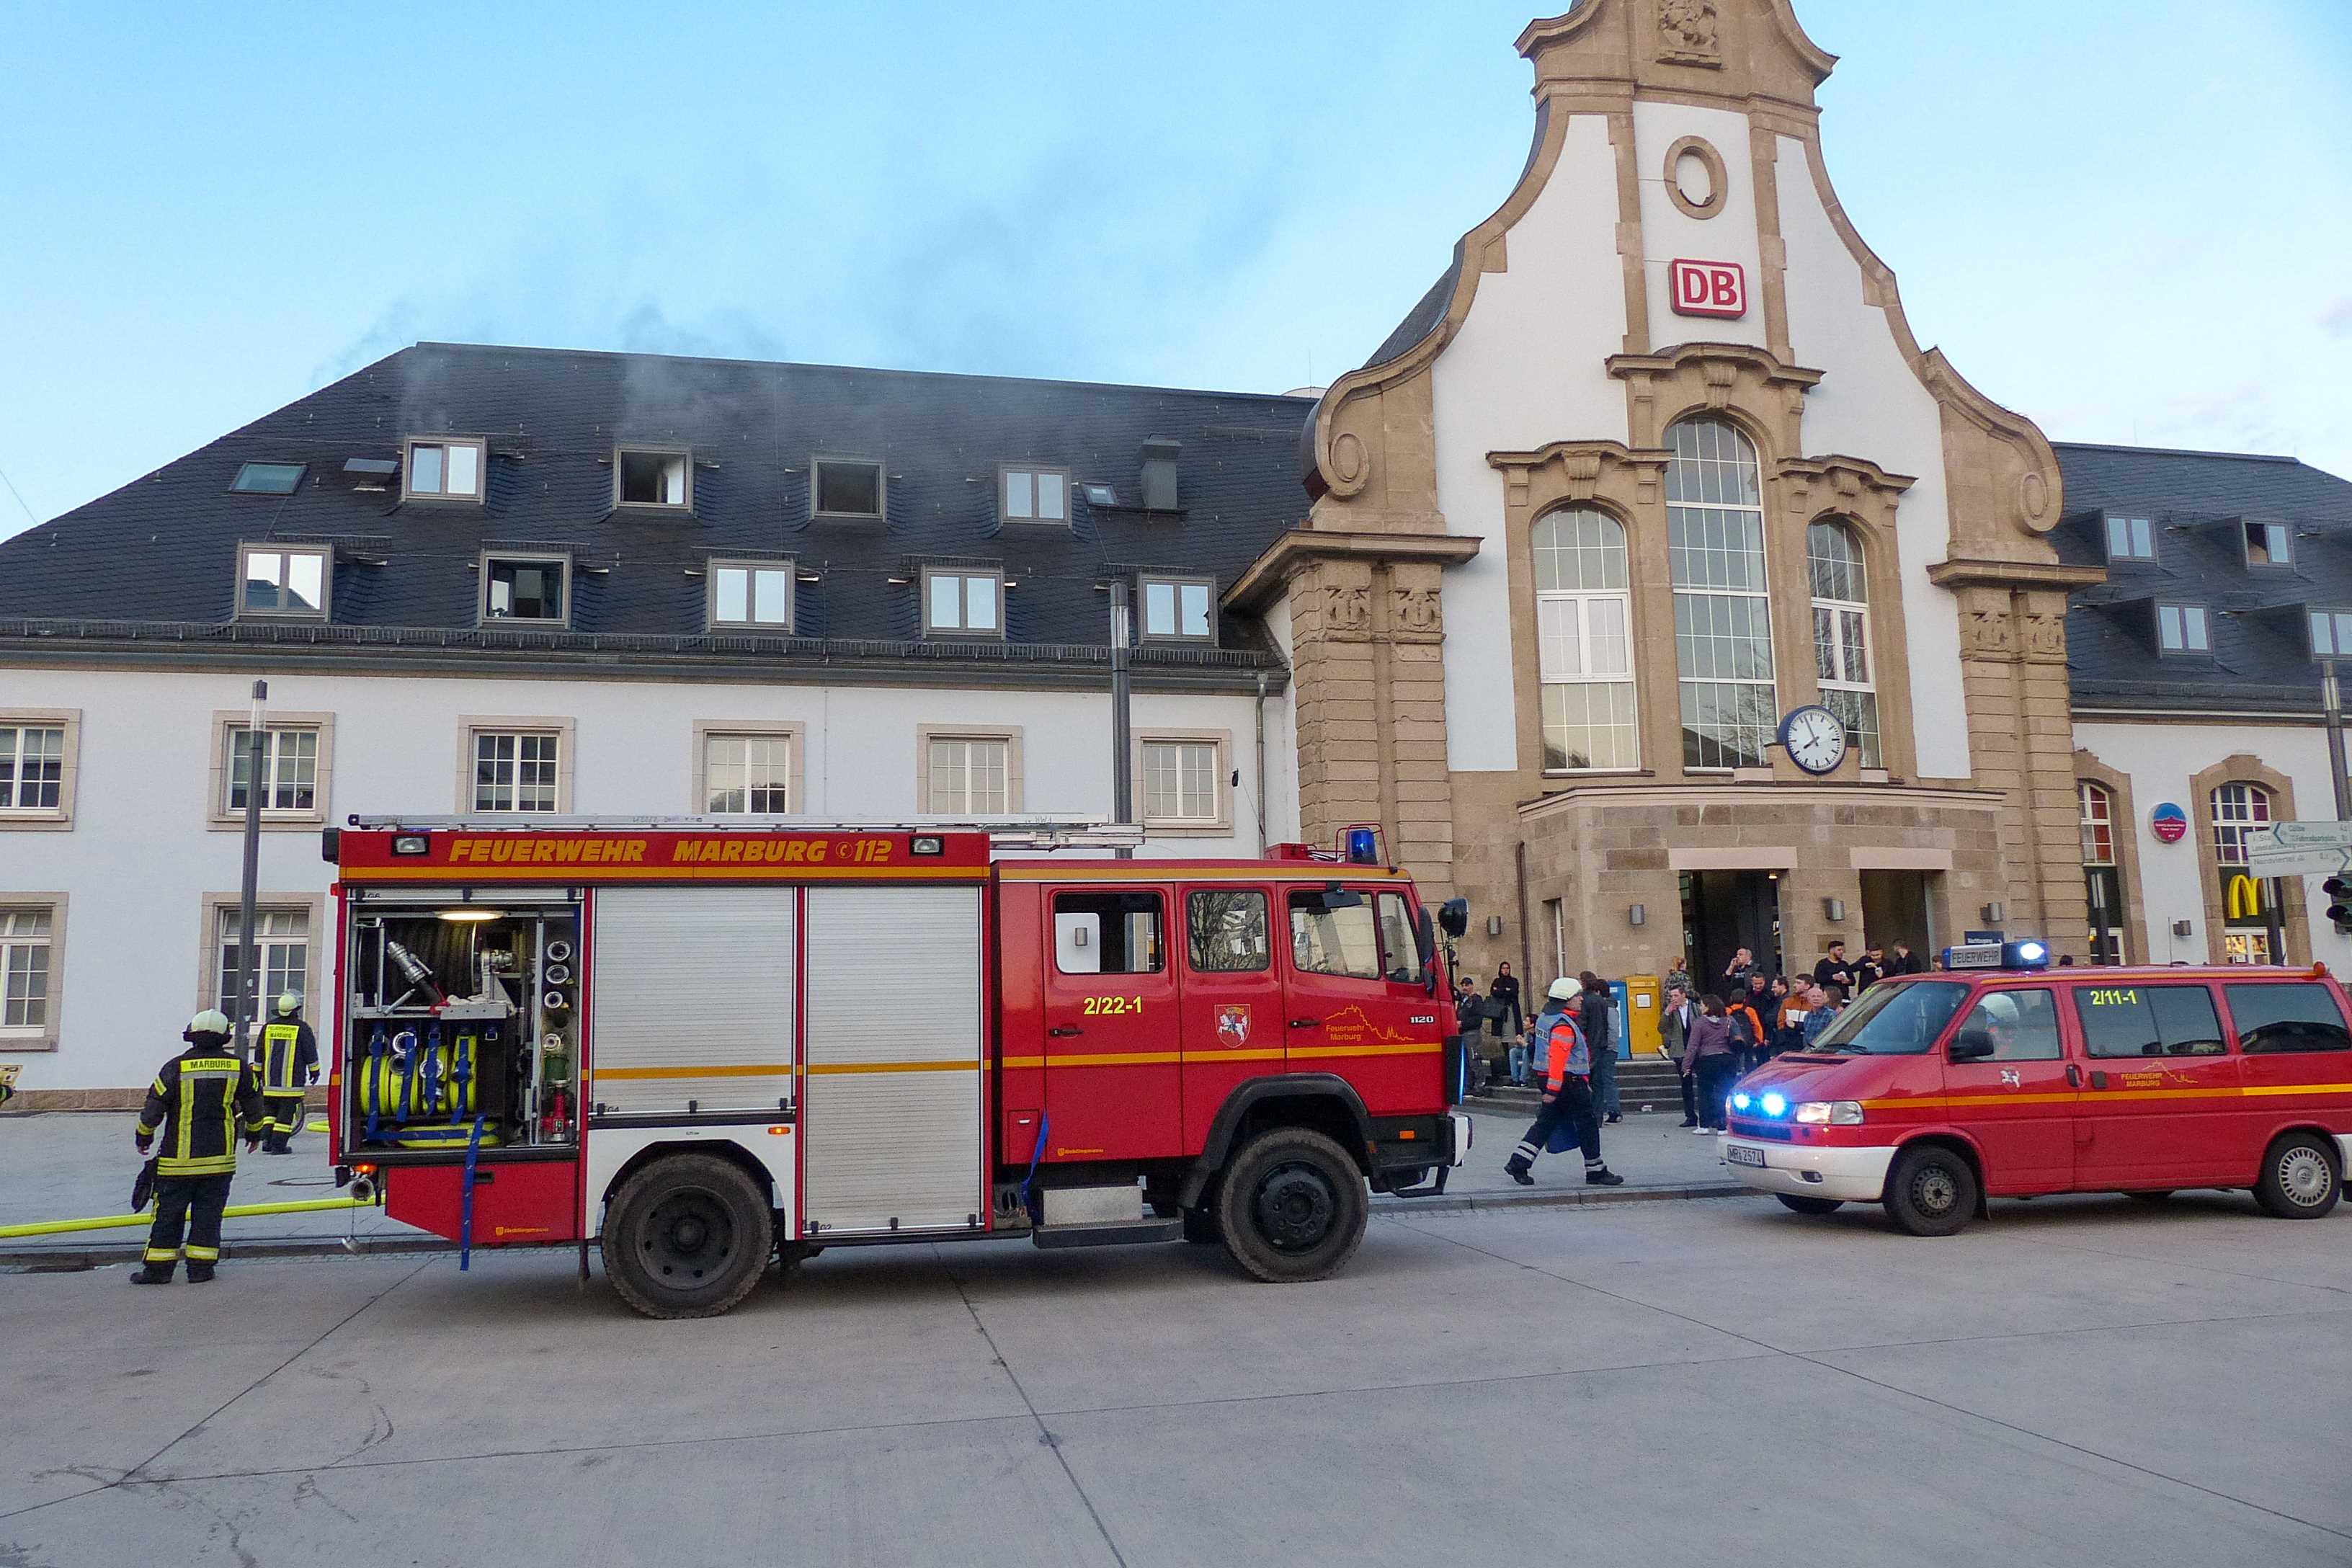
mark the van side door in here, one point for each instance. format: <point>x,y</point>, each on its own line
<point>1114,1076</point>
<point>2017,1098</point>
<point>2296,1063</point>
<point>2160,1098</point>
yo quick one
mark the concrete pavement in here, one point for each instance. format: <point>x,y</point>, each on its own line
<point>2083,1381</point>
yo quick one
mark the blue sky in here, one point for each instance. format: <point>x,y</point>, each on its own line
<point>2128,220</point>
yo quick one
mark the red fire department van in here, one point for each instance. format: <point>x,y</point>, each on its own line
<point>706,1046</point>
<point>1999,1076</point>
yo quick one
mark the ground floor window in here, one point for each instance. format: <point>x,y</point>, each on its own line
<point>281,942</point>
<point>27,965</point>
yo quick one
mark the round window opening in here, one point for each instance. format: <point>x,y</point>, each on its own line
<point>1695,177</point>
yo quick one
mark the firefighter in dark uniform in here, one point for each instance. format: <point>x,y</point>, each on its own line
<point>197,1103</point>
<point>289,1061</point>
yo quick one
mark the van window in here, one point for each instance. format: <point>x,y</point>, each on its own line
<point>1342,942</point>
<point>2287,1018</point>
<point>1901,1020</point>
<point>1225,928</point>
<point>1107,933</point>
<point>2023,1025</point>
<point>1398,948</point>
<point>2149,1020</point>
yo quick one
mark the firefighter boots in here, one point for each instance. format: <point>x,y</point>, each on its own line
<point>154,1274</point>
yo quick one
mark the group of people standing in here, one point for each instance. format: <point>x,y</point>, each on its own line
<point>1717,1035</point>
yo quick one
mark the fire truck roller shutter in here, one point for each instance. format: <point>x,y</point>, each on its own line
<point>890,1113</point>
<point>693,998</point>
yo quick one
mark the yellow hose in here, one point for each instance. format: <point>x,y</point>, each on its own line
<point>241,1211</point>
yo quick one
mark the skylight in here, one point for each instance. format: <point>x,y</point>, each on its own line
<point>267,479</point>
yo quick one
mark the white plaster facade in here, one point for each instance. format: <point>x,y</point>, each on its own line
<point>139,858</point>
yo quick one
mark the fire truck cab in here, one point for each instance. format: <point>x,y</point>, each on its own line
<point>704,1046</point>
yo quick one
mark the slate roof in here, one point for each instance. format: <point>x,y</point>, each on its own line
<point>2198,503</point>
<point>156,561</point>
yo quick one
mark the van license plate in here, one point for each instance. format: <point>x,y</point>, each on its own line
<point>1741,1154</point>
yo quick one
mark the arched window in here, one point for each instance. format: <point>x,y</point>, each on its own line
<point>1842,636</point>
<point>1723,621</point>
<point>1584,641</point>
<point>2101,878</point>
<point>2250,913</point>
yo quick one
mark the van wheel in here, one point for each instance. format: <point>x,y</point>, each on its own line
<point>1810,1205</point>
<point>1931,1191</point>
<point>1291,1205</point>
<point>687,1237</point>
<point>2299,1178</point>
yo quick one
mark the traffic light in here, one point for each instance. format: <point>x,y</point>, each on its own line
<point>2339,904</point>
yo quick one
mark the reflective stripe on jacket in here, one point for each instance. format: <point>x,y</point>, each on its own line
<point>197,1102</point>
<point>1565,1052</point>
<point>288,1052</point>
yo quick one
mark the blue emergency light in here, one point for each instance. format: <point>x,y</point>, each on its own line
<point>2025,954</point>
<point>1363,846</point>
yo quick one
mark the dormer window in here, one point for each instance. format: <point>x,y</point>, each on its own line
<point>2130,538</point>
<point>2331,634</point>
<point>1176,609</point>
<point>282,581</point>
<point>753,594</point>
<point>1034,495</point>
<point>267,479</point>
<point>526,588</point>
<point>848,487</point>
<point>444,470</point>
<point>653,477</point>
<point>2269,544</point>
<point>2183,628</point>
<point>963,603</point>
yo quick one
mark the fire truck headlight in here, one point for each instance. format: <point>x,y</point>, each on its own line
<point>1830,1112</point>
<point>1775,1103</point>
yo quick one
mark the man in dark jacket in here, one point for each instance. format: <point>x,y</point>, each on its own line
<point>1673,1034</point>
<point>1903,961</point>
<point>1834,970</point>
<point>199,1102</point>
<point>1593,1014</point>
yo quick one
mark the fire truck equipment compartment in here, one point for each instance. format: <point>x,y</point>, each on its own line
<point>694,998</point>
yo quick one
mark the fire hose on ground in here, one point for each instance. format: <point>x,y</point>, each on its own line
<point>237,1211</point>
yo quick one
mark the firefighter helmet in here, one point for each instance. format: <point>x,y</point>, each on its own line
<point>211,1021</point>
<point>288,1004</point>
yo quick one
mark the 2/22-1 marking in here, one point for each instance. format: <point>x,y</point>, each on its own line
<point>1111,1006</point>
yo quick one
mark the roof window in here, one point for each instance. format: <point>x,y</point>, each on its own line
<point>525,587</point>
<point>963,604</point>
<point>848,487</point>
<point>2331,634</point>
<point>662,478</point>
<point>2269,543</point>
<point>276,580</point>
<point>444,470</point>
<point>752,593</point>
<point>2130,538</point>
<point>267,479</point>
<point>1034,495</point>
<point>2183,628</point>
<point>1176,609</point>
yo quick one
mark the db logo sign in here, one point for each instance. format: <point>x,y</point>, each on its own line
<point>1708,289</point>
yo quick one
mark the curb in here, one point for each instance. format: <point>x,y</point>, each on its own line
<point>1597,1197</point>
<point>74,1259</point>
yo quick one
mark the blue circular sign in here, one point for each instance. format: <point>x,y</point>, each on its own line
<point>2169,823</point>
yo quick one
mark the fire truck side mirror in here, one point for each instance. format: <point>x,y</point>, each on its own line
<point>1453,917</point>
<point>1425,937</point>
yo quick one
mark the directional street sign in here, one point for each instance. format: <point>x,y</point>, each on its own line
<point>2300,849</point>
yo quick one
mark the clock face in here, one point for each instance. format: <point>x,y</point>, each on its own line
<point>1815,740</point>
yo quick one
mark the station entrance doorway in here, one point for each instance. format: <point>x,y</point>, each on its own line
<point>1724,911</point>
<point>1899,906</point>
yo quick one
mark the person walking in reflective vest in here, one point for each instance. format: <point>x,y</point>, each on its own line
<point>288,1061</point>
<point>196,1104</point>
<point>1567,1092</point>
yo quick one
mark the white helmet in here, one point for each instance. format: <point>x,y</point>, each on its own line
<point>290,1003</point>
<point>211,1021</point>
<point>2002,1011</point>
<point>1567,988</point>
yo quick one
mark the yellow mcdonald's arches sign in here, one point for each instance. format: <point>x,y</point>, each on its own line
<point>2241,898</point>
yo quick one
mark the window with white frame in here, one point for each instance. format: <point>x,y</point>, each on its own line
<point>2183,628</point>
<point>2130,538</point>
<point>281,580</point>
<point>517,771</point>
<point>32,766</point>
<point>752,593</point>
<point>1178,609</point>
<point>2238,809</point>
<point>444,470</point>
<point>1723,618</point>
<point>1034,495</point>
<point>2331,634</point>
<point>525,587</point>
<point>959,602</point>
<point>969,775</point>
<point>27,965</point>
<point>659,478</point>
<point>1584,644</point>
<point>2269,543</point>
<point>747,774</point>
<point>1842,636</point>
<point>289,769</point>
<point>2098,809</point>
<point>281,953</point>
<point>846,486</point>
<point>1182,783</point>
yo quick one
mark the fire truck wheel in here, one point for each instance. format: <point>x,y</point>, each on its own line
<point>2300,1180</point>
<point>1291,1205</point>
<point>689,1236</point>
<point>1931,1191</point>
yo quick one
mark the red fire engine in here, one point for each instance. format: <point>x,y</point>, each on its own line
<point>706,1046</point>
